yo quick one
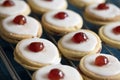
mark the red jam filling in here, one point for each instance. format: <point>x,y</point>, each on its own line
<point>55,74</point>
<point>116,30</point>
<point>79,37</point>
<point>20,19</point>
<point>102,6</point>
<point>36,46</point>
<point>8,3</point>
<point>101,60</point>
<point>61,15</point>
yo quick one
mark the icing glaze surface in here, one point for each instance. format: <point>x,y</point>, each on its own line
<point>88,45</point>
<point>51,4</point>
<point>108,31</point>
<point>19,7</point>
<point>112,68</point>
<point>67,70</point>
<point>92,1</point>
<point>113,11</point>
<point>70,21</point>
<point>49,55</point>
<point>29,28</point>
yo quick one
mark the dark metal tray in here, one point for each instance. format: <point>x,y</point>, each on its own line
<point>10,70</point>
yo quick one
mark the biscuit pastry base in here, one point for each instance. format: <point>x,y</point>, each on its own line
<point>88,75</point>
<point>26,12</point>
<point>40,10</point>
<point>32,62</point>
<point>77,3</point>
<point>77,55</point>
<point>27,63</point>
<point>33,76</point>
<point>107,40</point>
<point>83,75</point>
<point>14,38</point>
<point>99,20</point>
<point>81,4</point>
<point>60,31</point>
<point>43,73</point>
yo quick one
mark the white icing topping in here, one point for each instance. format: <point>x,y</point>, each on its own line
<point>112,68</point>
<point>49,55</point>
<point>69,72</point>
<point>19,7</point>
<point>113,11</point>
<point>52,5</point>
<point>88,45</point>
<point>70,21</point>
<point>109,33</point>
<point>92,1</point>
<point>29,28</point>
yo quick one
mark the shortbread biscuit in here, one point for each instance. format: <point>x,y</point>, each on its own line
<point>34,53</point>
<point>14,32</point>
<point>15,7</point>
<point>60,22</point>
<point>65,72</point>
<point>92,67</point>
<point>110,34</point>
<point>85,3</point>
<point>77,44</point>
<point>101,14</point>
<point>43,6</point>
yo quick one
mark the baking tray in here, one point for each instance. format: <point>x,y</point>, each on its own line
<point>11,70</point>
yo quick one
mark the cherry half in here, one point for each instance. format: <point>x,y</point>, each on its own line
<point>116,30</point>
<point>55,74</point>
<point>36,46</point>
<point>20,19</point>
<point>8,3</point>
<point>79,37</point>
<point>102,6</point>
<point>61,15</point>
<point>101,60</point>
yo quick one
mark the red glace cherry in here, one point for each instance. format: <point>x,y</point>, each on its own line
<point>20,19</point>
<point>101,60</point>
<point>116,30</point>
<point>55,74</point>
<point>79,37</point>
<point>36,46</point>
<point>102,6</point>
<point>61,15</point>
<point>8,3</point>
